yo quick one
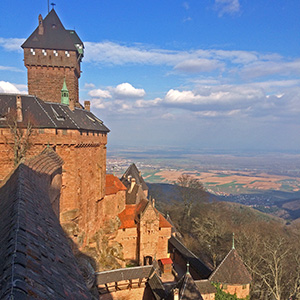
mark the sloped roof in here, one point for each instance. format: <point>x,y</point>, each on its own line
<point>47,162</point>
<point>188,290</point>
<point>157,287</point>
<point>36,260</point>
<point>127,216</point>
<point>130,216</point>
<point>205,287</point>
<point>123,274</point>
<point>133,172</point>
<point>231,270</point>
<point>199,266</point>
<point>166,261</point>
<point>43,114</point>
<point>135,195</point>
<point>113,185</point>
<point>55,36</point>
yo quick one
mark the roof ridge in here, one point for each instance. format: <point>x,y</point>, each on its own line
<point>221,263</point>
<point>43,109</point>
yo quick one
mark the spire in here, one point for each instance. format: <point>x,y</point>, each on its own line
<point>233,240</point>
<point>64,93</point>
<point>187,268</point>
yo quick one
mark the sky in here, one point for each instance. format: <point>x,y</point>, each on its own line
<point>198,74</point>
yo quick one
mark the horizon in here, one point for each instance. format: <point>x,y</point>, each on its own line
<point>220,75</point>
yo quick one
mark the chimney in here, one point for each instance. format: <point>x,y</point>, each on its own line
<point>87,105</point>
<point>72,104</point>
<point>19,109</point>
<point>41,25</point>
<point>176,294</point>
<point>153,202</point>
<point>132,184</point>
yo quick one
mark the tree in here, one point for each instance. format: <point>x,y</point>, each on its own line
<point>20,137</point>
<point>190,190</point>
<point>212,234</point>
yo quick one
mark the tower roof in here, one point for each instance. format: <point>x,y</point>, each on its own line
<point>231,270</point>
<point>54,36</point>
<point>133,172</point>
<point>188,290</point>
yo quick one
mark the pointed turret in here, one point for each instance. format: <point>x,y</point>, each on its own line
<point>187,288</point>
<point>232,275</point>
<point>52,54</point>
<point>64,94</point>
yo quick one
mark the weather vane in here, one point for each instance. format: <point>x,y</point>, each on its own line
<point>53,4</point>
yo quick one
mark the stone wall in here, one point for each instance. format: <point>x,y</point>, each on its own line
<point>148,230</point>
<point>128,238</point>
<point>46,73</point>
<point>241,291</point>
<point>83,176</point>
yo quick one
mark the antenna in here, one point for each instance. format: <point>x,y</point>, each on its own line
<point>53,4</point>
<point>48,7</point>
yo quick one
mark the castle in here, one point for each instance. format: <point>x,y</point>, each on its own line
<point>108,219</point>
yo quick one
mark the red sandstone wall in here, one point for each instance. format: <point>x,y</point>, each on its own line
<point>110,206</point>
<point>128,239</point>
<point>163,236</point>
<point>46,74</point>
<point>149,227</point>
<point>208,296</point>
<point>241,291</point>
<point>83,178</point>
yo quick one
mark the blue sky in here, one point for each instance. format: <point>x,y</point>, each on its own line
<point>202,74</point>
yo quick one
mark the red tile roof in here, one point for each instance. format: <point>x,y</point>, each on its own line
<point>129,216</point>
<point>113,185</point>
<point>166,261</point>
<point>163,222</point>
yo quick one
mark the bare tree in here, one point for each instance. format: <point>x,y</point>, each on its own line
<point>190,190</point>
<point>20,137</point>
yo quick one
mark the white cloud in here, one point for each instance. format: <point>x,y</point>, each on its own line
<point>12,69</point>
<point>168,116</point>
<point>7,87</point>
<point>265,68</point>
<point>11,44</point>
<point>198,65</point>
<point>98,93</point>
<point>213,95</point>
<point>126,90</point>
<point>148,103</point>
<point>230,7</point>
<point>89,86</point>
<point>248,64</point>
<point>186,5</point>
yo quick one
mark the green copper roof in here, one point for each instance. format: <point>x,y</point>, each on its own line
<point>64,94</point>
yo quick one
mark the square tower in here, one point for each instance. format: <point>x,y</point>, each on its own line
<point>53,54</point>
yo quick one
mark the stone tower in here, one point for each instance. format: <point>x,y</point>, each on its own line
<point>53,54</point>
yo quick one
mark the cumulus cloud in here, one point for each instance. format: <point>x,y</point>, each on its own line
<point>126,90</point>
<point>7,87</point>
<point>98,93</point>
<point>230,7</point>
<point>213,96</point>
<point>89,86</point>
<point>148,103</point>
<point>11,44</point>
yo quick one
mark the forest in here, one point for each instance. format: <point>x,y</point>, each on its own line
<point>269,248</point>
